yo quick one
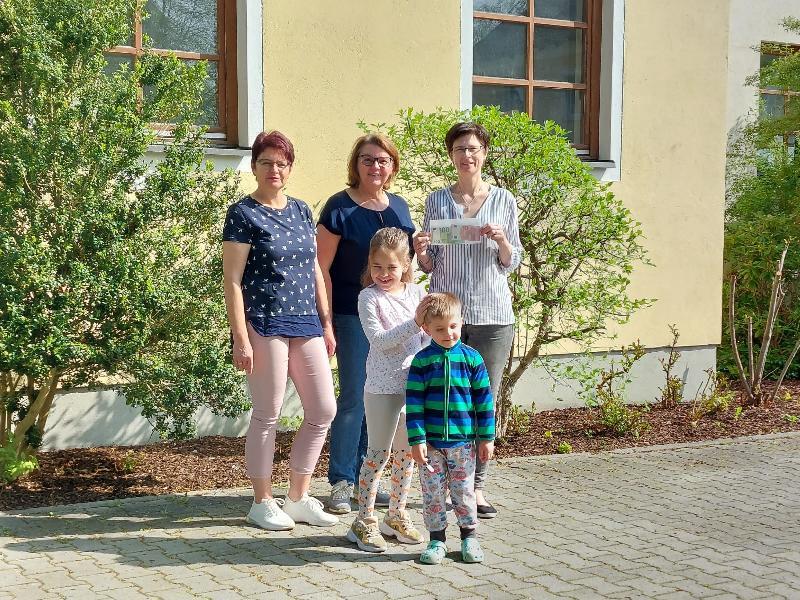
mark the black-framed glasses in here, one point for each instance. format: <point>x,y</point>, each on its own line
<point>381,161</point>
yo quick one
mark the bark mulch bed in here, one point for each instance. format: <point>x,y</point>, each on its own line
<point>90,474</point>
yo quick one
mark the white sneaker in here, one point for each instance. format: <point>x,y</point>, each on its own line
<point>309,510</point>
<point>268,515</point>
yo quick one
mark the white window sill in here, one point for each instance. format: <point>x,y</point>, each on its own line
<point>237,159</point>
<point>601,164</point>
<point>210,150</point>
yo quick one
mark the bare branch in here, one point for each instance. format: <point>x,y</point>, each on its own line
<point>734,346</point>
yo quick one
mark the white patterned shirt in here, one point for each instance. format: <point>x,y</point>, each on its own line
<point>473,272</point>
<point>394,337</point>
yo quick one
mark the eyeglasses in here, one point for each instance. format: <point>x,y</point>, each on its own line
<point>368,161</point>
<point>467,149</point>
<point>268,164</point>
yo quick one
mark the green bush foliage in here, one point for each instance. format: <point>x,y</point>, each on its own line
<point>110,264</point>
<point>603,390</point>
<point>714,397</point>
<point>763,211</point>
<point>13,465</point>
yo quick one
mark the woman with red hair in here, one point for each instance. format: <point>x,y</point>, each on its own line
<point>281,327</point>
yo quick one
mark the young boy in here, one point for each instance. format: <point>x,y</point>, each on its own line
<point>449,406</point>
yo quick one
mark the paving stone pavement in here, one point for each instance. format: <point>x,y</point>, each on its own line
<point>714,520</point>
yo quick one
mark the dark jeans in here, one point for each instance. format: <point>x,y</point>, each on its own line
<point>494,344</point>
<point>349,428</point>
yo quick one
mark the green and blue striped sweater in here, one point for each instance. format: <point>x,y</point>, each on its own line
<point>448,398</point>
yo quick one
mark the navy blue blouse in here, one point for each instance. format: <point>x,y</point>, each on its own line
<point>356,225</point>
<point>278,284</point>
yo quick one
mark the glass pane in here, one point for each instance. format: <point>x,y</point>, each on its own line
<point>209,105</point>
<point>504,7</point>
<point>507,97</point>
<point>766,59</point>
<point>209,113</point>
<point>558,54</point>
<point>565,107</point>
<point>566,10</point>
<point>116,60</point>
<point>187,25</point>
<point>499,49</point>
<point>771,105</point>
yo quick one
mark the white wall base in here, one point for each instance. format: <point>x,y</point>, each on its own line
<point>539,388</point>
<point>82,418</point>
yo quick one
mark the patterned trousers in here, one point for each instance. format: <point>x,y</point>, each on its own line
<point>456,465</point>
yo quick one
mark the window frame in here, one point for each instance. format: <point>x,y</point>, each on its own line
<point>592,28</point>
<point>226,132</point>
<point>779,49</point>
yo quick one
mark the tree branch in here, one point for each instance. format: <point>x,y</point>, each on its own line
<point>734,346</point>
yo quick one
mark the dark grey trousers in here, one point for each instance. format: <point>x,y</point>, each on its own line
<point>493,342</point>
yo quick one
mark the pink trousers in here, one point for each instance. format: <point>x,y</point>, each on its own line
<point>305,360</point>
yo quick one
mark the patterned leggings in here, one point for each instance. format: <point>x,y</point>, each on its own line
<point>456,465</point>
<point>386,428</point>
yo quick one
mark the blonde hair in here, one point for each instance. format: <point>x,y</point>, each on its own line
<point>377,139</point>
<point>442,305</point>
<point>389,239</point>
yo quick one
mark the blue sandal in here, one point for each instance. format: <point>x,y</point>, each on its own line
<point>471,551</point>
<point>434,553</point>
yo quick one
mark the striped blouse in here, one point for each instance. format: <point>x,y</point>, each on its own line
<point>473,272</point>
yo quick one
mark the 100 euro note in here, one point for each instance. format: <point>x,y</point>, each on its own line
<point>449,232</point>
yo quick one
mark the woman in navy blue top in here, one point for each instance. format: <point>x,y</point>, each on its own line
<point>281,326</point>
<point>346,225</point>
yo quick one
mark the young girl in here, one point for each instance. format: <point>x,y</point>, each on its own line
<point>391,311</point>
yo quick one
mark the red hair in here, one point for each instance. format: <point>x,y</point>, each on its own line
<point>273,139</point>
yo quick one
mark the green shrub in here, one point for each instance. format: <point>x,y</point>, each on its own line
<point>580,242</point>
<point>12,467</point>
<point>602,389</point>
<point>520,421</point>
<point>762,213</point>
<point>714,397</point>
<point>110,265</point>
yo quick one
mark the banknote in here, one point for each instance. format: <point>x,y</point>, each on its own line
<point>446,232</point>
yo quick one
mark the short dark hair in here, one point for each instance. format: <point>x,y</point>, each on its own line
<point>377,139</point>
<point>466,128</point>
<point>273,139</point>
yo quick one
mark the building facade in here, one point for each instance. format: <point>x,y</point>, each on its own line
<point>641,85</point>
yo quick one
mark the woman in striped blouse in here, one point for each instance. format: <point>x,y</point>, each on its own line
<point>477,273</point>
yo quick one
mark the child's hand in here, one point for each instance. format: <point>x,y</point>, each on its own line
<point>420,454</point>
<point>422,308</point>
<point>486,450</point>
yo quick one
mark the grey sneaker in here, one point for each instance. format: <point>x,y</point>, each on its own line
<point>382,497</point>
<point>339,501</point>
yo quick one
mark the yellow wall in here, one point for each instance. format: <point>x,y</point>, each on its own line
<point>673,162</point>
<point>328,65</point>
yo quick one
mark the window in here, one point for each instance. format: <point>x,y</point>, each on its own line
<point>775,100</point>
<point>195,30</point>
<point>541,57</point>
